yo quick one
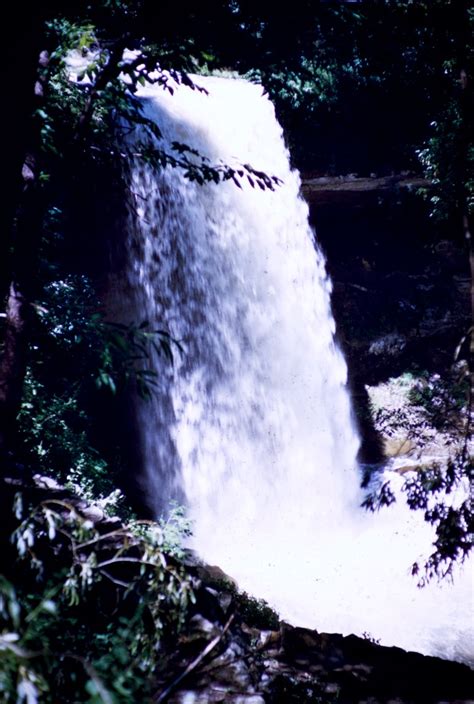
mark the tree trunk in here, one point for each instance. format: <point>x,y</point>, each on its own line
<point>12,367</point>
<point>26,233</point>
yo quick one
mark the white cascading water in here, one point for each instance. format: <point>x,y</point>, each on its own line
<point>253,427</point>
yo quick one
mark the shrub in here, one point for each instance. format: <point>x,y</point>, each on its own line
<point>84,615</point>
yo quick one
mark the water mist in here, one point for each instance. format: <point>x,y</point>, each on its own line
<point>252,429</point>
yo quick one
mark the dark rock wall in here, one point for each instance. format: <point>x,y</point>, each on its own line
<point>401,284</point>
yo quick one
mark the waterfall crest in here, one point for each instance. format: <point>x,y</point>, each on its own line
<point>253,427</point>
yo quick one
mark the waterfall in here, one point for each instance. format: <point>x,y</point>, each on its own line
<point>252,428</point>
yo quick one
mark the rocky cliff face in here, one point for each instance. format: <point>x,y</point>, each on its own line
<point>401,286</point>
<point>350,191</point>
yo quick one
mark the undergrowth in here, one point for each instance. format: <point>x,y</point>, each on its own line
<point>83,614</point>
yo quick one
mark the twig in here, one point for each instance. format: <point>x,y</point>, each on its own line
<point>126,533</point>
<point>136,560</point>
<point>194,664</point>
<point>117,582</point>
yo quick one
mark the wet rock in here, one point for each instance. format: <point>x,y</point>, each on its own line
<point>232,671</point>
<point>213,575</point>
<point>199,624</point>
<point>397,446</point>
<point>268,639</point>
<point>389,345</point>
<point>225,601</point>
<point>47,483</point>
<point>215,696</point>
<point>110,523</point>
<point>353,191</point>
<point>92,513</point>
<point>208,604</point>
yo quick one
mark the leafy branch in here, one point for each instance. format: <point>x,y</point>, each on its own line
<point>429,490</point>
<point>65,620</point>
